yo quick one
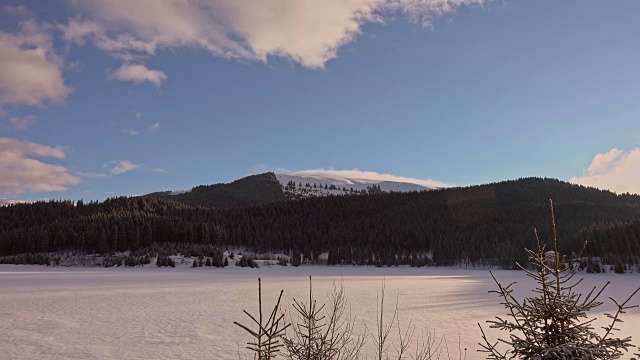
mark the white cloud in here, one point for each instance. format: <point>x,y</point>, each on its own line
<point>425,11</point>
<point>91,175</point>
<point>117,167</point>
<point>615,170</point>
<point>138,115</point>
<point>22,122</point>
<point>602,162</point>
<point>367,176</point>
<point>138,74</point>
<point>129,132</point>
<point>260,168</point>
<point>30,69</point>
<point>307,32</point>
<point>20,172</point>
<point>120,166</point>
<point>153,127</point>
<point>77,32</point>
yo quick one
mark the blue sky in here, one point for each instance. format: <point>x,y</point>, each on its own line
<point>128,97</point>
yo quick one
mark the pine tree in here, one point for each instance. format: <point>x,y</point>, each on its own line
<point>295,259</point>
<point>266,343</point>
<point>552,324</point>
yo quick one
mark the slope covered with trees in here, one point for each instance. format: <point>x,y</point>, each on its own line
<point>487,224</point>
<point>248,191</point>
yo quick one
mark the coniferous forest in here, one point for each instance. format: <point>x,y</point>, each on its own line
<point>479,225</point>
<point>248,191</point>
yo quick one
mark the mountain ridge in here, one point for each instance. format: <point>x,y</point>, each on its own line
<point>271,187</point>
<point>248,191</point>
<point>262,189</point>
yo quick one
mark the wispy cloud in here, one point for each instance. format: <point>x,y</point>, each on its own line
<point>20,172</point>
<point>22,122</point>
<point>138,73</point>
<point>615,170</point>
<point>367,176</point>
<point>262,168</point>
<point>118,167</point>
<point>20,11</point>
<point>91,175</point>
<point>129,132</point>
<point>153,127</point>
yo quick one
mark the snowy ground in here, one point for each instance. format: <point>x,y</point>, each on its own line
<point>142,313</point>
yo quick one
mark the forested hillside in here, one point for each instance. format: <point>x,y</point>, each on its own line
<point>615,237</point>
<point>248,191</point>
<point>487,224</point>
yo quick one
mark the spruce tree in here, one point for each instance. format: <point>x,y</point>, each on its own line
<point>552,324</point>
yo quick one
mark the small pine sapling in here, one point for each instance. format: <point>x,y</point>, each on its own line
<point>553,324</point>
<point>324,332</point>
<point>266,344</point>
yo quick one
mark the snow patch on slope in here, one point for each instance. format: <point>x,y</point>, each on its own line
<point>358,180</point>
<point>7,202</point>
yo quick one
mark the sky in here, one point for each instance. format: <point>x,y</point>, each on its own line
<point>125,97</point>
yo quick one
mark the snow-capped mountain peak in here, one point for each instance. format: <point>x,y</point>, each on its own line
<point>325,182</point>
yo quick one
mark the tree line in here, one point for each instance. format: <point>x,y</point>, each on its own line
<point>478,225</point>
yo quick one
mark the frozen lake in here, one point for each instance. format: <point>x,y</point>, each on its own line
<point>142,313</point>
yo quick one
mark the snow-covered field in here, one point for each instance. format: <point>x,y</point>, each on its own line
<point>184,313</point>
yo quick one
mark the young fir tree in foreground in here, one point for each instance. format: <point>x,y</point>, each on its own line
<point>553,324</point>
